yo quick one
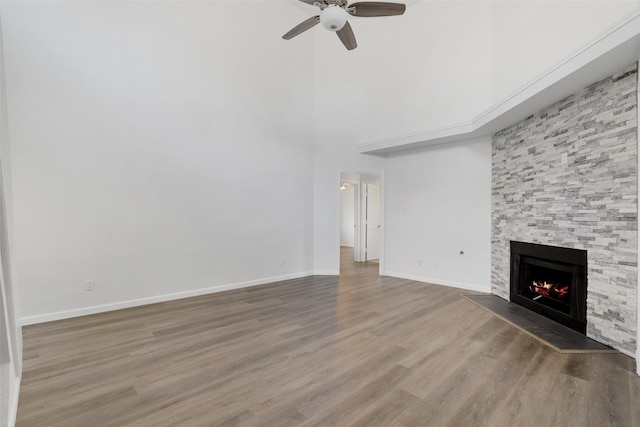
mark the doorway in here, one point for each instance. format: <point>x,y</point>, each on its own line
<point>361,218</point>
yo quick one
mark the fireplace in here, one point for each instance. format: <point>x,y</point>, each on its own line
<point>551,281</point>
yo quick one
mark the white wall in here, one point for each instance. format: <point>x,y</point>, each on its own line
<point>531,36</point>
<point>10,333</point>
<point>438,203</point>
<point>154,150</point>
<point>10,329</point>
<point>404,77</point>
<point>347,216</point>
<point>442,63</point>
<point>426,69</point>
<point>160,154</point>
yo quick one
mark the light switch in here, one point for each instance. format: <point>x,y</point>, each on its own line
<point>563,158</point>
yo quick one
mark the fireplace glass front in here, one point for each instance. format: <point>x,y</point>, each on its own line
<point>551,281</point>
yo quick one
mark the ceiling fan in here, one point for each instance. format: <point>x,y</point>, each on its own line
<point>334,13</point>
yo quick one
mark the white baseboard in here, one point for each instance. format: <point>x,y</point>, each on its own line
<point>49,317</point>
<point>326,272</point>
<point>440,282</point>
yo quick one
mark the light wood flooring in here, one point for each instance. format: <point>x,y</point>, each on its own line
<point>359,351</point>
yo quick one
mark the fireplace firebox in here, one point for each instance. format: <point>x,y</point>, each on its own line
<point>551,281</point>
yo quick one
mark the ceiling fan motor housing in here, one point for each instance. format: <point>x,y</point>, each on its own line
<point>333,18</point>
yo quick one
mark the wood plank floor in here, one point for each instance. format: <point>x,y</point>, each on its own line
<point>359,351</point>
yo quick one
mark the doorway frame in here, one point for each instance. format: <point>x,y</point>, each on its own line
<point>358,209</point>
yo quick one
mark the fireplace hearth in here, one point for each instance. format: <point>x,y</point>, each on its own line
<point>551,281</point>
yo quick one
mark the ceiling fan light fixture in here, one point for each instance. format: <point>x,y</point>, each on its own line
<point>333,18</point>
<point>334,13</point>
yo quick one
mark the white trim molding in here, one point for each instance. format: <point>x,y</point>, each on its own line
<point>13,403</point>
<point>637,355</point>
<point>50,317</point>
<point>326,273</point>
<point>613,50</point>
<point>439,282</point>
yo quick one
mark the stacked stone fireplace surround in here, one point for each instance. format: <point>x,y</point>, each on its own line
<point>588,203</point>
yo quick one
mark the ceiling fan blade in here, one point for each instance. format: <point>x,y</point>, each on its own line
<point>346,37</point>
<point>373,8</point>
<point>302,27</point>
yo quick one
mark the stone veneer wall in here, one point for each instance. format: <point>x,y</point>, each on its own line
<point>588,203</point>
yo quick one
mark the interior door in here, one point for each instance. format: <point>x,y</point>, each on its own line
<point>372,221</point>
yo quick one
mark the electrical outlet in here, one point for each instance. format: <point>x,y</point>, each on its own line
<point>89,285</point>
<point>419,262</point>
<point>282,261</point>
